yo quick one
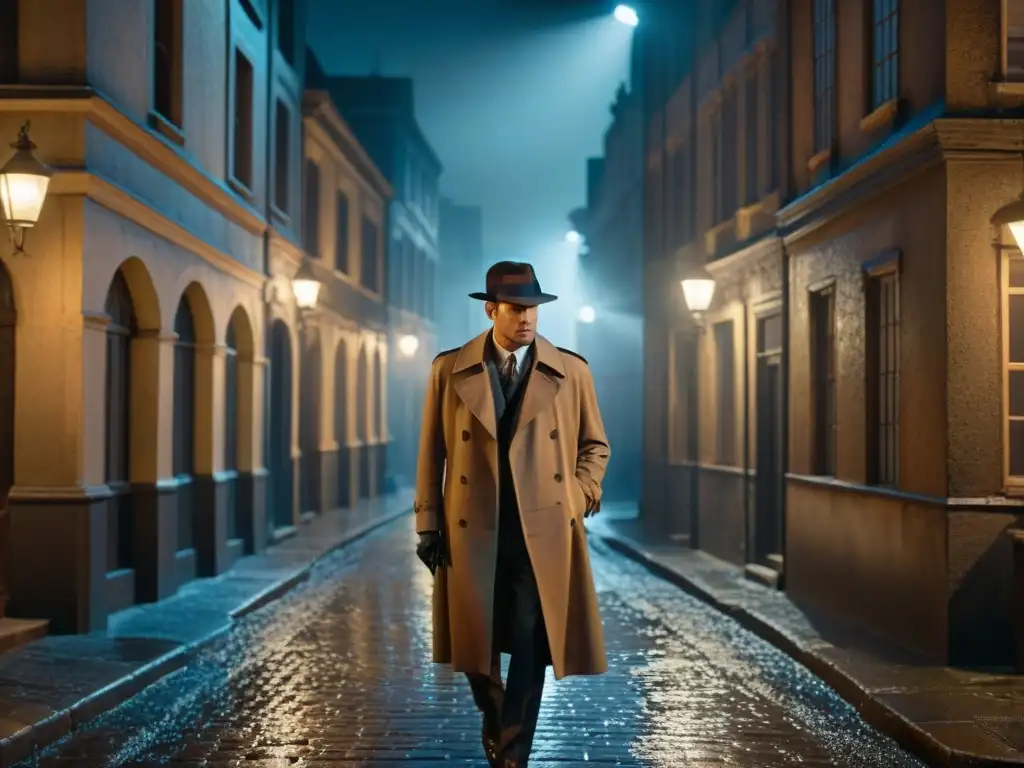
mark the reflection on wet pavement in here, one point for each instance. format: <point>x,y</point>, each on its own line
<point>338,673</point>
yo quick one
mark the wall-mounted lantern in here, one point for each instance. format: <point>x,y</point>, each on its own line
<point>306,287</point>
<point>1012,216</point>
<point>698,291</point>
<point>23,184</point>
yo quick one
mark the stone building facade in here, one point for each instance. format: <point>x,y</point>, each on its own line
<point>149,333</point>
<point>893,468</point>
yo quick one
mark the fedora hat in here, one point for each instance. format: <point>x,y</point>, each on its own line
<point>513,282</point>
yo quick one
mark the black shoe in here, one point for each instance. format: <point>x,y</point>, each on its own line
<point>490,737</point>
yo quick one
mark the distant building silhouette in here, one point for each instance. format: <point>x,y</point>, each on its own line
<point>462,261</point>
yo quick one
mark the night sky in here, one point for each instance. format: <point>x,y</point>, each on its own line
<point>513,96</point>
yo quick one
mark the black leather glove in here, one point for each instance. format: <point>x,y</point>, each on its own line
<point>430,551</point>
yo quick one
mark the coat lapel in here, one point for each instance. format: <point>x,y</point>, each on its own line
<point>475,384</point>
<point>543,382</point>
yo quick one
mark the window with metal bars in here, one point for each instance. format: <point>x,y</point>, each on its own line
<point>725,388</point>
<point>885,48</point>
<point>824,15</point>
<point>883,376</point>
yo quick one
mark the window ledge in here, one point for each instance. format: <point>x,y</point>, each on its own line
<point>166,128</point>
<point>1006,88</point>
<point>240,188</point>
<point>883,116</point>
<point>818,160</point>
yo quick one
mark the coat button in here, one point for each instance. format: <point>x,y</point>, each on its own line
<point>462,523</point>
<point>554,434</point>
<point>558,478</point>
<point>462,479</point>
<point>465,435</point>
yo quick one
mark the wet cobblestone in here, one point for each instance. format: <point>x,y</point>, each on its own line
<point>337,673</point>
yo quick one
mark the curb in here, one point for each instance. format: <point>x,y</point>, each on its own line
<point>56,726</point>
<point>877,714</point>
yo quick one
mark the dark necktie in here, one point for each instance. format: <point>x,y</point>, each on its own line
<point>508,376</point>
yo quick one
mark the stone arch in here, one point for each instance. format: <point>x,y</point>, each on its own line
<point>239,395</point>
<point>145,301</point>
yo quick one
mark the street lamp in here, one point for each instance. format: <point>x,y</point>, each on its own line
<point>408,344</point>
<point>626,15</point>
<point>1012,215</point>
<point>306,287</point>
<point>23,184</point>
<point>587,314</point>
<point>698,291</point>
<point>573,236</point>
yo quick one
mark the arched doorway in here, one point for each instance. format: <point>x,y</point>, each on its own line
<point>380,450</point>
<point>344,497</point>
<point>183,453</point>
<point>362,422</point>
<point>310,376</point>
<point>7,323</point>
<point>279,452</point>
<point>122,328</point>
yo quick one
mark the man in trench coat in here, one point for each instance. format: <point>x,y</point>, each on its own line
<point>512,455</point>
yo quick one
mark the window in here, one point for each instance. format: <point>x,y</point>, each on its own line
<point>282,147</point>
<point>341,262</point>
<point>1013,52</point>
<point>824,12</point>
<point>311,210</point>
<point>883,369</point>
<point>753,120</point>
<point>286,30</point>
<point>1013,359</point>
<point>370,276</point>
<point>167,60</point>
<point>725,394</point>
<point>730,149</point>
<point>9,41</point>
<point>823,381</point>
<point>241,149</point>
<point>715,136</point>
<point>121,329</point>
<point>885,47</point>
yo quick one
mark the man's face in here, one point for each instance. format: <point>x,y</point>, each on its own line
<point>516,323</point>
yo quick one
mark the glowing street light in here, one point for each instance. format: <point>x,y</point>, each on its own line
<point>408,344</point>
<point>626,15</point>
<point>305,287</point>
<point>698,291</point>
<point>23,184</point>
<point>587,314</point>
<point>573,236</point>
<point>1012,215</point>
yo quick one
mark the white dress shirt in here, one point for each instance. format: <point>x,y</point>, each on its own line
<point>522,358</point>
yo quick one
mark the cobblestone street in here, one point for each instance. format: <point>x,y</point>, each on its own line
<point>337,673</point>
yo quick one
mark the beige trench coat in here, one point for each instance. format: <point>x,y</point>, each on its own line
<point>558,456</point>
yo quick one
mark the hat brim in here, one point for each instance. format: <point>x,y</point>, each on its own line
<point>523,301</point>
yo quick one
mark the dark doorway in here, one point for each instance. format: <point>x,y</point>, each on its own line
<point>341,424</point>
<point>362,419</point>
<point>7,323</point>
<point>184,424</point>
<point>122,328</point>
<point>279,456</point>
<point>767,545</point>
<point>231,422</point>
<point>310,377</point>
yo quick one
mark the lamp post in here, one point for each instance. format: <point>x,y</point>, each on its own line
<point>408,345</point>
<point>626,15</point>
<point>23,184</point>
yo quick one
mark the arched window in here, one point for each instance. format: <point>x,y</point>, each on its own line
<point>183,453</point>
<point>121,328</point>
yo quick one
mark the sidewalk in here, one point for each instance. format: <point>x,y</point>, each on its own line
<point>51,686</point>
<point>949,717</point>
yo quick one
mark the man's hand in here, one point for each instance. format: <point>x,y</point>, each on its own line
<point>593,507</point>
<point>430,551</point>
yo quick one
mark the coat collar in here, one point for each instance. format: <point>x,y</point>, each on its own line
<point>474,386</point>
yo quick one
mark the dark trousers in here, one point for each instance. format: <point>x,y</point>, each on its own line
<point>510,711</point>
